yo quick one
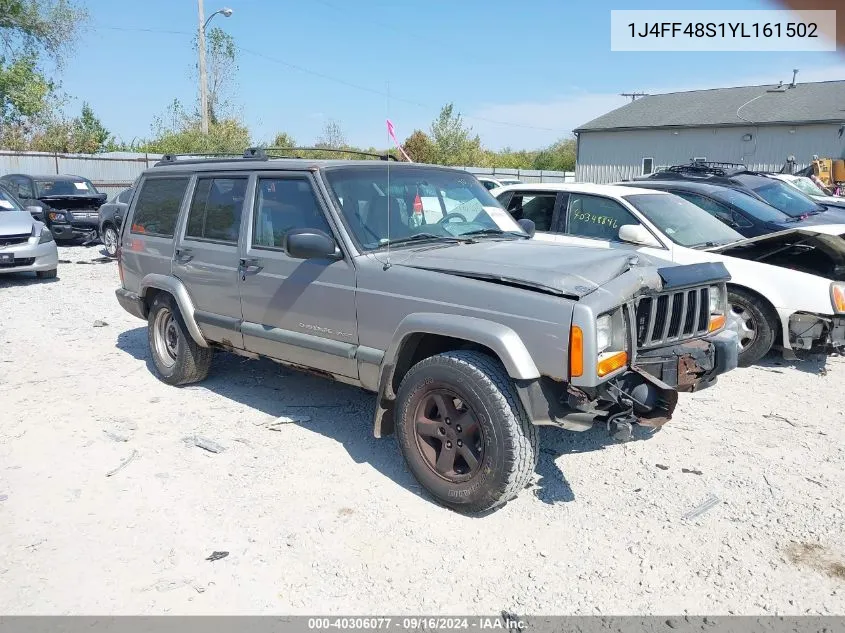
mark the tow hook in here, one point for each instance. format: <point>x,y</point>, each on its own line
<point>620,425</point>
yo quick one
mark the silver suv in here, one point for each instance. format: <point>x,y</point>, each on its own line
<point>412,282</point>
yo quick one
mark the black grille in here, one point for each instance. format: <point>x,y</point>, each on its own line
<point>672,316</point>
<point>10,240</point>
<point>19,261</point>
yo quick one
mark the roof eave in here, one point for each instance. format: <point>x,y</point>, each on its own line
<point>834,121</point>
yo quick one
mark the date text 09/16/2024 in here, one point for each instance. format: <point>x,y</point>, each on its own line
<point>724,29</point>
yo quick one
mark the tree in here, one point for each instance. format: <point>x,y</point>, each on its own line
<point>332,137</point>
<point>283,139</point>
<point>420,147</point>
<point>32,32</point>
<point>84,134</point>
<point>559,156</point>
<point>454,143</point>
<point>221,68</point>
<point>178,132</point>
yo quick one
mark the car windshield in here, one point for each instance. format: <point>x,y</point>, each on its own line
<point>8,202</point>
<point>751,205</point>
<point>384,206</point>
<point>63,187</point>
<point>787,199</point>
<point>807,186</point>
<point>681,221</point>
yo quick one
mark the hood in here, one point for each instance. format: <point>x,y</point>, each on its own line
<point>570,271</point>
<point>15,223</point>
<point>834,202</point>
<point>818,250</point>
<point>82,201</point>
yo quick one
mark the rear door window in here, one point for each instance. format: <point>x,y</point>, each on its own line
<point>157,208</point>
<point>216,209</point>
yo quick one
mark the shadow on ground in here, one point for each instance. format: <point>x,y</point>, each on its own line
<point>275,390</point>
<point>808,362</point>
<point>7,280</point>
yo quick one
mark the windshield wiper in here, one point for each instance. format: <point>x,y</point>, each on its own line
<point>419,237</point>
<point>492,231</point>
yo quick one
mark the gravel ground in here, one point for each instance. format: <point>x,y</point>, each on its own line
<point>320,517</point>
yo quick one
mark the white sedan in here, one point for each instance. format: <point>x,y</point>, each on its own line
<point>808,187</point>
<point>797,297</point>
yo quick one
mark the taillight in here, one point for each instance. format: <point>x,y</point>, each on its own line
<point>119,255</point>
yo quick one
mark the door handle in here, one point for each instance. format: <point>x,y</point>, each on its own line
<point>249,266</point>
<point>184,254</point>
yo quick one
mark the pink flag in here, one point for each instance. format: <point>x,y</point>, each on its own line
<point>392,133</point>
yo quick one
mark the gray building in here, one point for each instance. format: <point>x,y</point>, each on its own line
<point>759,126</point>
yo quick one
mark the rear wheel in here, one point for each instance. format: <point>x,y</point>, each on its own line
<point>177,358</point>
<point>110,240</point>
<point>463,431</point>
<point>754,323</point>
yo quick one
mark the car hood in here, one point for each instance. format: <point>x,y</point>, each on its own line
<point>571,271</point>
<point>834,202</point>
<point>15,222</point>
<point>818,249</point>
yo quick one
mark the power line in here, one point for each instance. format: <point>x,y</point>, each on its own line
<point>339,80</point>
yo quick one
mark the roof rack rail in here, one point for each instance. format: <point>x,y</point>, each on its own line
<point>706,169</point>
<point>288,150</point>
<point>187,159</point>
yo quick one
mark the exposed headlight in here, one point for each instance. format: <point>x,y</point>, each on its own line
<point>718,318</point>
<point>837,297</point>
<point>46,236</point>
<point>604,332</point>
<point>57,216</point>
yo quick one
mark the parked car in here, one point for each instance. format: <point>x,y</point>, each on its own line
<point>491,182</point>
<point>469,332</point>
<point>811,189</point>
<point>69,204</point>
<point>26,245</point>
<point>742,211</point>
<point>111,217</point>
<point>772,191</point>
<point>787,286</point>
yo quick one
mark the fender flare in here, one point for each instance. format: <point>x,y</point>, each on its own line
<point>503,341</point>
<point>177,290</point>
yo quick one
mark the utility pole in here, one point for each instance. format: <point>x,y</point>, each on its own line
<point>203,77</point>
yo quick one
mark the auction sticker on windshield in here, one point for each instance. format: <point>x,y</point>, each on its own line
<point>502,219</point>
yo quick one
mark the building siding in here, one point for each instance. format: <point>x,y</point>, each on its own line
<point>610,156</point>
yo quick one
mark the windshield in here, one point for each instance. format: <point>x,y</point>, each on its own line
<point>751,205</point>
<point>8,202</point>
<point>807,186</point>
<point>682,221</point>
<point>419,200</point>
<point>787,199</point>
<point>64,187</point>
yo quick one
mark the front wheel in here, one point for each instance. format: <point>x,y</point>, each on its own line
<point>177,358</point>
<point>463,431</point>
<point>754,324</point>
<point>110,240</point>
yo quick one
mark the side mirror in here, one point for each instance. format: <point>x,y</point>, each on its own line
<point>637,234</point>
<point>36,212</point>
<point>528,226</point>
<point>310,244</point>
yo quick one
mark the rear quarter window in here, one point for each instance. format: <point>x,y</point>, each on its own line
<point>157,208</point>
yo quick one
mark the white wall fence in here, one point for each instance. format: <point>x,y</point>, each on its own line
<point>114,171</point>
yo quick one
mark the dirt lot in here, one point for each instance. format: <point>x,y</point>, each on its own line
<point>318,516</point>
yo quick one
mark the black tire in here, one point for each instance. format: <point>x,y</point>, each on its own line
<point>756,322</point>
<point>47,274</point>
<point>507,454</point>
<point>177,358</point>
<point>110,240</point>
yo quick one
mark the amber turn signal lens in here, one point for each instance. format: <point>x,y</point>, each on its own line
<point>839,298</point>
<point>576,351</point>
<point>612,363</point>
<point>717,322</point>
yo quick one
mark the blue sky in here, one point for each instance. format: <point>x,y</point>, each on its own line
<point>522,73</point>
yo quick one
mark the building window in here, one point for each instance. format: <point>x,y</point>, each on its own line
<point>648,166</point>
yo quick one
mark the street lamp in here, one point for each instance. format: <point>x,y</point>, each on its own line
<point>203,24</point>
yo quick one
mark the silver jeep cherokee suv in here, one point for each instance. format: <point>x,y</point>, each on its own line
<point>412,282</point>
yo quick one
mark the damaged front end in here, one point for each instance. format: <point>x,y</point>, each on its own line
<point>672,334</point>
